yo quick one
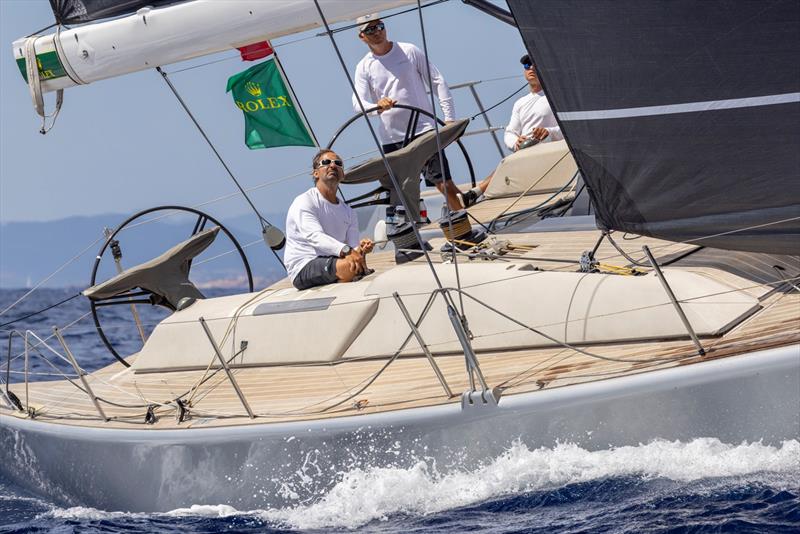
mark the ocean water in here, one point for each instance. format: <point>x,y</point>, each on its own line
<point>702,485</point>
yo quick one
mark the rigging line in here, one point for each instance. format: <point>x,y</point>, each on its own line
<point>540,208</point>
<point>554,340</point>
<point>42,310</point>
<point>728,232</point>
<point>53,25</point>
<point>43,342</point>
<point>790,219</point>
<point>281,45</point>
<point>231,326</point>
<point>624,254</point>
<point>275,182</point>
<point>264,223</point>
<point>484,112</point>
<point>37,286</point>
<point>534,184</point>
<point>389,169</point>
<point>236,194</point>
<point>439,154</point>
<point>218,256</point>
<point>368,381</point>
<point>204,64</point>
<point>352,26</point>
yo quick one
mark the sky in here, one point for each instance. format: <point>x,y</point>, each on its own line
<point>124,144</point>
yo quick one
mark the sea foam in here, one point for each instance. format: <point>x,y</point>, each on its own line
<point>374,494</point>
<point>365,495</point>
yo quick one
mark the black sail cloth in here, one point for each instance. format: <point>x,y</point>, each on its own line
<point>684,116</point>
<point>77,11</point>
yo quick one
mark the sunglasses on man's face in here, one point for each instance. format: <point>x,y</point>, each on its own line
<point>527,66</point>
<point>326,162</point>
<point>372,29</point>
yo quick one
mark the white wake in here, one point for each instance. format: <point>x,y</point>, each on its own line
<point>364,495</point>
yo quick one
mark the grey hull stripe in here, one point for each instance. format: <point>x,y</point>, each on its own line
<point>679,108</point>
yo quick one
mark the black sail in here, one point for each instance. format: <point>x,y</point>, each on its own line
<point>684,116</point>
<point>76,11</point>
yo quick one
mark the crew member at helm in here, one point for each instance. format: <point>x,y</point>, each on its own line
<point>397,73</point>
<point>322,244</point>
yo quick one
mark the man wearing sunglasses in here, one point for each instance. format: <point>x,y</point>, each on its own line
<point>532,121</point>
<point>397,73</point>
<point>322,244</point>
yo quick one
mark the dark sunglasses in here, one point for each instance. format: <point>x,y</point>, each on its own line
<point>372,29</point>
<point>527,66</point>
<point>326,162</point>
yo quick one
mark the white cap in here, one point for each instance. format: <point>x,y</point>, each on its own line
<point>366,20</point>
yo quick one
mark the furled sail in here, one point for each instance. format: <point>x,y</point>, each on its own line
<point>162,33</point>
<point>684,116</point>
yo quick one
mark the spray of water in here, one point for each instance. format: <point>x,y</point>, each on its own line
<point>365,495</point>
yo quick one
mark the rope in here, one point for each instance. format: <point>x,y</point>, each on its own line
<point>389,169</point>
<point>35,86</point>
<point>439,154</point>
<point>37,286</point>
<point>364,384</point>
<point>294,41</point>
<point>265,225</point>
<point>41,311</point>
<point>554,340</point>
<point>528,211</point>
<point>484,112</point>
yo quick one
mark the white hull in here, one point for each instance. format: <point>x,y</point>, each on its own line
<point>754,397</point>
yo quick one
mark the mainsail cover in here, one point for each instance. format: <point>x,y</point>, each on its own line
<point>76,11</point>
<point>684,116</point>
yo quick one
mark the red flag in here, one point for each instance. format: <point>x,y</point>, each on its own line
<point>256,51</point>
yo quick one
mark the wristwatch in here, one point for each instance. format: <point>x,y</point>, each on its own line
<point>345,251</point>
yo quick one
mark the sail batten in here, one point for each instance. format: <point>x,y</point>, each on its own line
<point>684,117</point>
<point>688,107</point>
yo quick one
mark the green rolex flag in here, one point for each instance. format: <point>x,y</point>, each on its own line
<point>270,115</point>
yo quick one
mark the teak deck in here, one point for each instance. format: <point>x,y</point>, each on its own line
<point>305,392</point>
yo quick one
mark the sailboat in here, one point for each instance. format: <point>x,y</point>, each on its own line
<point>671,312</point>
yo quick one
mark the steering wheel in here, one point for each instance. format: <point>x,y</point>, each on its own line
<point>144,296</point>
<point>411,128</point>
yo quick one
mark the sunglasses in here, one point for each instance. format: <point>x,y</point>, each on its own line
<point>527,66</point>
<point>373,29</point>
<point>326,162</point>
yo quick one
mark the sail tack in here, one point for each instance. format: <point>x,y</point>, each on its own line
<point>683,116</point>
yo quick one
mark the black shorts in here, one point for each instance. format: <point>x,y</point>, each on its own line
<point>318,272</point>
<point>432,169</point>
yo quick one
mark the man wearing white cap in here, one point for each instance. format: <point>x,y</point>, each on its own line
<point>397,73</point>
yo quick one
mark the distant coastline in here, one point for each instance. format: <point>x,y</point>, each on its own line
<point>30,252</point>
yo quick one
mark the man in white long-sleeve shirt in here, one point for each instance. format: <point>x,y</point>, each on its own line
<point>532,121</point>
<point>397,73</point>
<point>322,245</point>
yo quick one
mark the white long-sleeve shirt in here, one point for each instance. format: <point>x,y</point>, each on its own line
<point>316,227</point>
<point>529,112</point>
<point>400,74</point>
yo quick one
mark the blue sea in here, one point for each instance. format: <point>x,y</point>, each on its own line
<point>703,485</point>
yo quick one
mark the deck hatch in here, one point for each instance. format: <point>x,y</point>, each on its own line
<point>294,306</point>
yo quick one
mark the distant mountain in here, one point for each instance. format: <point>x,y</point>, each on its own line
<point>32,251</point>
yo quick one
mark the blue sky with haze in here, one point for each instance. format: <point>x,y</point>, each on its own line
<point>124,144</point>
